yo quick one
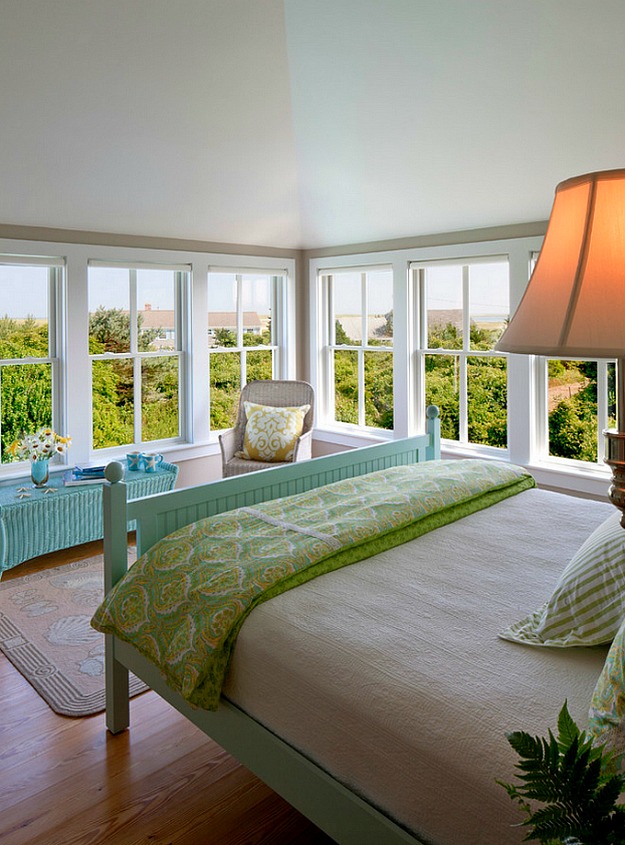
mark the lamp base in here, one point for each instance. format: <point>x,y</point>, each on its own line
<point>615,458</point>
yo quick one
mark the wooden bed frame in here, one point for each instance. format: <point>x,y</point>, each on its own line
<point>342,814</point>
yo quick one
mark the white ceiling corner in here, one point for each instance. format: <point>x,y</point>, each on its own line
<point>303,124</point>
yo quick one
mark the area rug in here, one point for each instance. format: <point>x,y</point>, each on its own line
<point>45,633</point>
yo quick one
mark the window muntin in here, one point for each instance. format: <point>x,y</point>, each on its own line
<point>244,337</point>
<point>30,383</point>
<point>465,307</point>
<point>359,348</point>
<point>136,354</point>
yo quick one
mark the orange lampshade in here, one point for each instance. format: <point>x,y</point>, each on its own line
<point>574,305</point>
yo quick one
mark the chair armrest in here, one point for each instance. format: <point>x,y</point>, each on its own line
<point>303,447</point>
<point>228,444</point>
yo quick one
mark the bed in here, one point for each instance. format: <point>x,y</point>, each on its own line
<point>375,697</point>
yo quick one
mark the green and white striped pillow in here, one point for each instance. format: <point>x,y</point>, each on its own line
<point>588,603</point>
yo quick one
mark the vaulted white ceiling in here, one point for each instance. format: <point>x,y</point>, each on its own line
<point>303,123</point>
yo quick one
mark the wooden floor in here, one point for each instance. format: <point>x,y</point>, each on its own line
<point>66,781</point>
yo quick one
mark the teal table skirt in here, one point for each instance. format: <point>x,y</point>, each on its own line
<point>45,522</point>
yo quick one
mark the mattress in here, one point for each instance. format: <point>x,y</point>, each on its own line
<point>390,674</point>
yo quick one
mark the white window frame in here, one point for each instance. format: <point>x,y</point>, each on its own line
<point>281,363</point>
<point>542,390</point>
<point>181,276</point>
<point>327,394</point>
<point>72,412</point>
<point>56,341</point>
<point>409,410</point>
<point>419,271</point>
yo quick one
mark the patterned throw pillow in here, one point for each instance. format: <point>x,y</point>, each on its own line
<point>271,433</point>
<point>588,603</point>
<point>607,708</point>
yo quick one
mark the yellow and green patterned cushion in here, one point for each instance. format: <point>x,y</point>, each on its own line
<point>271,433</point>
<point>588,602</point>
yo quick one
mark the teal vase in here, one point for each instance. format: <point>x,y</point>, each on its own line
<point>39,472</point>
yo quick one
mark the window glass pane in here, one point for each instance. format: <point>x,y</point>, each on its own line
<point>225,386</point>
<point>378,389</point>
<point>489,303</point>
<point>25,402</point>
<point>380,306</point>
<point>256,306</point>
<point>346,386</point>
<point>109,310</point>
<point>24,311</point>
<point>487,400</point>
<point>259,365</point>
<point>572,407</point>
<point>112,403</point>
<point>443,296</point>
<point>347,293</point>
<point>222,309</point>
<point>442,385</point>
<point>611,422</point>
<point>156,316</point>
<point>159,398</point>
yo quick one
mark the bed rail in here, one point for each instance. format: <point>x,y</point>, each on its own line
<point>157,516</point>
<point>341,813</point>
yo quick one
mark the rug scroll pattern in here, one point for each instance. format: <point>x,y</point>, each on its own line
<point>45,632</point>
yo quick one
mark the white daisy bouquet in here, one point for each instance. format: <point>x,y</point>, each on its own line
<point>43,444</point>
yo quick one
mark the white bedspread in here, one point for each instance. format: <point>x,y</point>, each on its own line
<point>389,673</point>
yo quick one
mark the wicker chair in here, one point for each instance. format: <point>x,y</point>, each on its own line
<point>279,394</point>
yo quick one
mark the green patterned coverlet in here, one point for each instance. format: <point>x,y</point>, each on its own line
<point>182,603</point>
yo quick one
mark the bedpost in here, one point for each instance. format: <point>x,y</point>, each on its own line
<point>433,428</point>
<point>115,566</point>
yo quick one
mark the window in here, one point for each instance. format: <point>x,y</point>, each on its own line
<point>579,402</point>
<point>580,405</point>
<point>245,330</point>
<point>30,378</point>
<point>359,347</point>
<point>135,346</point>
<point>464,309</point>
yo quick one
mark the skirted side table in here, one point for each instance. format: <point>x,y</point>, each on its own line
<point>35,524</point>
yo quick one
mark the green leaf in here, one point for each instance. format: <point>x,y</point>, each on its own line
<point>569,777</point>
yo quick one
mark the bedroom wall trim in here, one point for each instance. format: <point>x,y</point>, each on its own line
<point>463,236</point>
<point>79,236</point>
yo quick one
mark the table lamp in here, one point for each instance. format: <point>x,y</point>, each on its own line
<point>574,305</point>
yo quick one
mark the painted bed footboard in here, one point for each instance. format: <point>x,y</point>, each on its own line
<point>336,810</point>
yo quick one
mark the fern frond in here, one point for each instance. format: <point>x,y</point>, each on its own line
<point>567,729</point>
<point>570,777</point>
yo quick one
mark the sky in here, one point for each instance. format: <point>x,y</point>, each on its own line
<point>23,290</point>
<point>489,290</point>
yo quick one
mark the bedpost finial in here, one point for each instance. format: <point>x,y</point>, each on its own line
<point>431,412</point>
<point>114,472</point>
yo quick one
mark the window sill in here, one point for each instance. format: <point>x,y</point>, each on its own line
<point>350,437</point>
<point>591,482</point>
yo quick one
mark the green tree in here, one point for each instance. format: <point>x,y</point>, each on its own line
<point>225,337</point>
<point>386,329</point>
<point>341,338</point>
<point>573,426</point>
<point>26,401</point>
<point>379,389</point>
<point>113,382</point>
